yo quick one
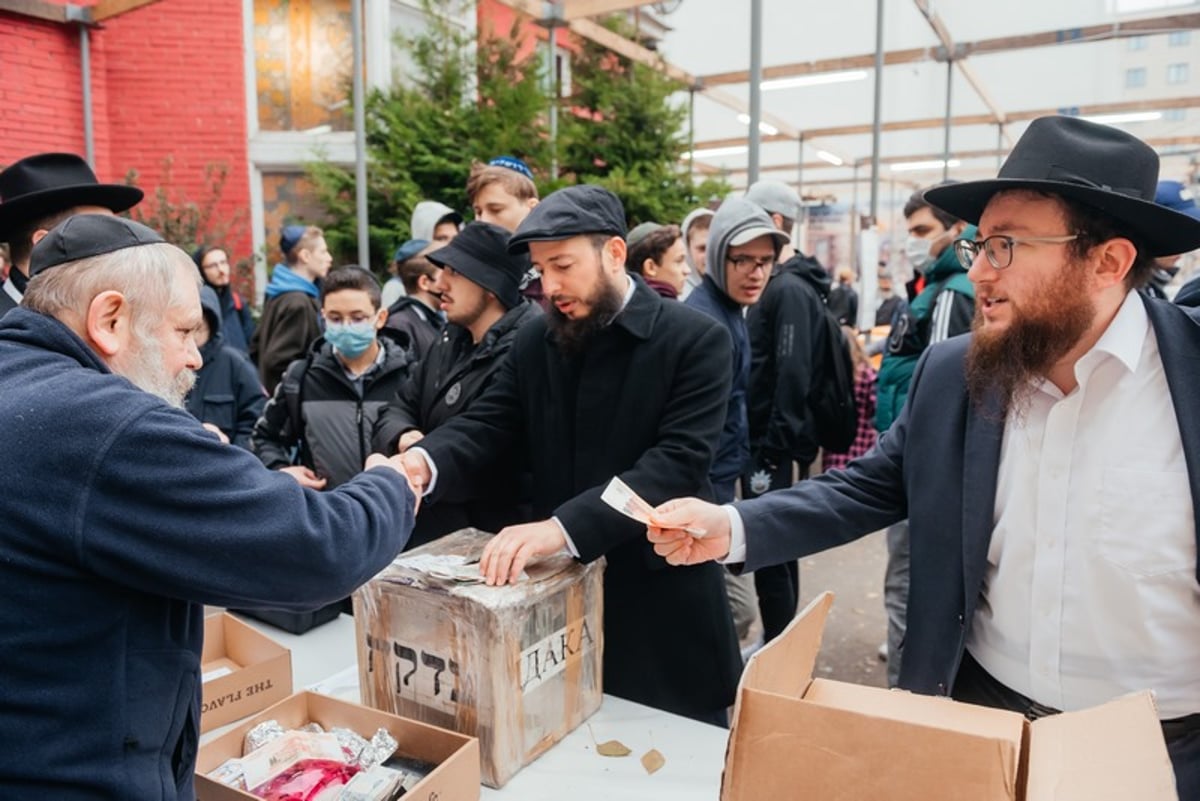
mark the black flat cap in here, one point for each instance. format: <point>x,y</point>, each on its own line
<point>573,211</point>
<point>87,235</point>
<point>480,252</point>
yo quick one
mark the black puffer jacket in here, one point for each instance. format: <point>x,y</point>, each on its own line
<point>787,337</point>
<point>333,435</point>
<point>453,374</point>
<point>227,391</point>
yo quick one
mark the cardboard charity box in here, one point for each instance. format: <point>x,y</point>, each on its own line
<point>456,777</point>
<point>798,737</point>
<point>518,666</point>
<point>242,671</point>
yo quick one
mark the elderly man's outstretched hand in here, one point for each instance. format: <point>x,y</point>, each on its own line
<point>688,531</point>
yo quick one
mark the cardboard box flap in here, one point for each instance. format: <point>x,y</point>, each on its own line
<point>918,710</point>
<point>793,748</point>
<point>246,645</point>
<point>214,638</point>
<point>1113,751</point>
<point>785,665</point>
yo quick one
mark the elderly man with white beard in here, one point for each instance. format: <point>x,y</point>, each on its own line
<point>121,516</point>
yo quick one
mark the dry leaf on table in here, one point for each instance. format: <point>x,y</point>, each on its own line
<point>613,748</point>
<point>652,760</point>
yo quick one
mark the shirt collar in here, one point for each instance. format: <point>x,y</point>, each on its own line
<point>628,293</point>
<point>1123,338</point>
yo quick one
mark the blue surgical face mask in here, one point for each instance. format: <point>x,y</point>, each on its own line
<point>350,339</point>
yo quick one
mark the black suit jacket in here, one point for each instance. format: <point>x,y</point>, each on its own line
<point>937,466</point>
<point>645,401</point>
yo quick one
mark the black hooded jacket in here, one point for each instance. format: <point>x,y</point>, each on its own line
<point>787,338</point>
<point>227,391</point>
<point>445,383</point>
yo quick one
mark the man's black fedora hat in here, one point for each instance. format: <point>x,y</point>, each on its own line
<point>1094,164</point>
<point>50,182</point>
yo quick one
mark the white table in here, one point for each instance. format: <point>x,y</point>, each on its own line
<point>325,660</point>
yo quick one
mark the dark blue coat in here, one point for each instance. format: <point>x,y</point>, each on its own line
<point>940,432</point>
<point>733,449</point>
<point>237,322</point>
<point>227,393</point>
<point>119,517</point>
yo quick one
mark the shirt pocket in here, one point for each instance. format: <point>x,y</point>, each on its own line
<point>1145,523</point>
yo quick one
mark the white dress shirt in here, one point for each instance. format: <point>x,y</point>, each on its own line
<point>1090,590</point>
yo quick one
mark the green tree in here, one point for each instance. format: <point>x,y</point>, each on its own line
<point>620,129</point>
<point>467,101</point>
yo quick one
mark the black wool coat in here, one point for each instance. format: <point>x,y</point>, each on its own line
<point>645,401</point>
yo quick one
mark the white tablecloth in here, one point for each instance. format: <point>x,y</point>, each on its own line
<point>325,660</point>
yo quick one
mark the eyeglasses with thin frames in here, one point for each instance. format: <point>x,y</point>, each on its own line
<point>745,265</point>
<point>999,248</point>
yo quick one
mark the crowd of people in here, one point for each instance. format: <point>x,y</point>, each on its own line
<point>173,451</point>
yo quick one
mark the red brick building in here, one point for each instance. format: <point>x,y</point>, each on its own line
<point>253,86</point>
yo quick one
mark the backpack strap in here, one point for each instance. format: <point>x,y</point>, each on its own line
<point>293,395</point>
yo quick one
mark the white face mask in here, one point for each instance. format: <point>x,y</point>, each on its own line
<point>918,251</point>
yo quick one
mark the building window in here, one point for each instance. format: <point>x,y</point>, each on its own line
<point>1177,73</point>
<point>1135,77</point>
<point>1179,38</point>
<point>1136,43</point>
<point>1175,115</point>
<point>302,55</point>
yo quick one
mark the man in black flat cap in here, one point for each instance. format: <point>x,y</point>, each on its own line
<point>478,287</point>
<point>123,516</point>
<point>1054,551</point>
<point>37,193</point>
<point>612,380</point>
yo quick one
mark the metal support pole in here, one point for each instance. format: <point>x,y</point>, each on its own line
<point>552,31</point>
<point>946,149</point>
<point>999,146</point>
<point>756,18</point>
<point>854,224</point>
<point>691,136</point>
<point>360,137</point>
<point>800,169</point>
<point>85,69</point>
<point>876,126</point>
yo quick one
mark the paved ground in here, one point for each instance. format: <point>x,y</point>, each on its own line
<point>856,626</point>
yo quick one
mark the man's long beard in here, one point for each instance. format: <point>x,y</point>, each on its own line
<point>572,336</point>
<point>1008,361</point>
<point>147,371</point>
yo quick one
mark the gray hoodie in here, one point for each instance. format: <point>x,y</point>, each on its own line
<point>737,219</point>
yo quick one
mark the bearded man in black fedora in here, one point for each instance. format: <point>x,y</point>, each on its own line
<point>1054,558</point>
<point>36,194</point>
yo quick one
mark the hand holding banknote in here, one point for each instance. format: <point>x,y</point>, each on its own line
<point>671,526</point>
<point>685,531</point>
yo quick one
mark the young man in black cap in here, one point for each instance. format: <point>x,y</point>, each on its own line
<point>416,313</point>
<point>37,193</point>
<point>478,286</point>
<point>1054,558</point>
<point>613,380</point>
<point>131,516</point>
